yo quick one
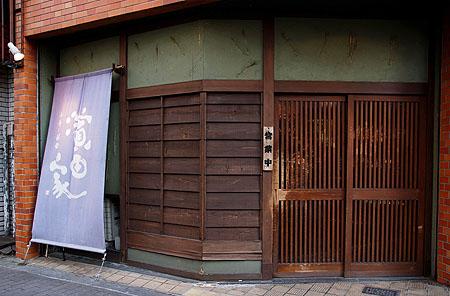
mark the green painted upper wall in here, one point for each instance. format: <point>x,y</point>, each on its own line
<point>232,49</point>
<point>208,49</point>
<point>164,56</point>
<point>91,56</point>
<point>350,50</point>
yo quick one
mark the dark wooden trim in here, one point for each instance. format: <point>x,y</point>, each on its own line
<point>276,185</point>
<point>231,247</point>
<point>267,176</point>
<point>423,160</point>
<point>123,147</point>
<point>231,257</point>
<point>315,87</point>
<point>386,194</point>
<point>343,87</point>
<point>208,250</point>
<point>202,199</point>
<point>384,269</point>
<point>211,85</point>
<point>349,188</point>
<point>194,87</point>
<point>165,244</point>
<point>336,194</point>
<point>196,276</point>
<point>165,89</point>
<point>310,270</point>
<point>161,170</point>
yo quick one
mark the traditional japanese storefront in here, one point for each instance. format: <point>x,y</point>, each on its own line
<point>346,190</point>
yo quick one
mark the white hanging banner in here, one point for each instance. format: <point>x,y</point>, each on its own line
<point>69,207</point>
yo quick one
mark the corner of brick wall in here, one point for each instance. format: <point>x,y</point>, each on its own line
<point>443,247</point>
<point>26,154</point>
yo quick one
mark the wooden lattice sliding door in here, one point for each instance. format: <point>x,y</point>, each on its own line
<point>350,185</point>
<point>385,195</point>
<point>310,196</point>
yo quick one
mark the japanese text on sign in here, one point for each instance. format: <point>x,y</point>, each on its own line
<point>268,148</point>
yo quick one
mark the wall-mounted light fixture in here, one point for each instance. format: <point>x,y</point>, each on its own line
<point>17,57</point>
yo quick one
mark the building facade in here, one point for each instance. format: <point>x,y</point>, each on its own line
<point>253,140</point>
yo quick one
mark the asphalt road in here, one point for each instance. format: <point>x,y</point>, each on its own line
<point>21,283</point>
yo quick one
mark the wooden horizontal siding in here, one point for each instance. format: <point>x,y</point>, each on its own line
<point>233,166</point>
<point>194,173</point>
<point>164,166</point>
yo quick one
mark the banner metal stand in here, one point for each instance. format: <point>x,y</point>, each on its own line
<point>24,262</point>
<point>97,276</point>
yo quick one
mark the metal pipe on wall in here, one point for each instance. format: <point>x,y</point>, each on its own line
<point>2,35</point>
<point>11,21</point>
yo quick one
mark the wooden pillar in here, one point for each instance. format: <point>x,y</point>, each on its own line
<point>123,146</point>
<point>268,120</point>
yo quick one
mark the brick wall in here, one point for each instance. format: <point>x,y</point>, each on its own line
<point>48,15</point>
<point>443,258</point>
<point>26,154</point>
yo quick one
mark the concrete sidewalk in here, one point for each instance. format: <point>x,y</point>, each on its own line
<point>119,278</point>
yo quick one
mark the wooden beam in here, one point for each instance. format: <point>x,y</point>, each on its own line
<point>194,87</point>
<point>267,176</point>
<point>202,199</point>
<point>161,161</point>
<point>350,87</point>
<point>349,187</point>
<point>123,147</point>
<point>164,244</point>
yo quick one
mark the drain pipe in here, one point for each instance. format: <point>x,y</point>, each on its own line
<point>10,132</point>
<point>8,201</point>
<point>5,177</point>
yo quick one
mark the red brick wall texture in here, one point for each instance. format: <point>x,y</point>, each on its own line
<point>443,258</point>
<point>25,142</point>
<point>48,15</point>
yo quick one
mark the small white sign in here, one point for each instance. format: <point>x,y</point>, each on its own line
<point>268,148</point>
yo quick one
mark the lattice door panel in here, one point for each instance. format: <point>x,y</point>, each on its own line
<point>350,185</point>
<point>310,196</point>
<point>385,186</point>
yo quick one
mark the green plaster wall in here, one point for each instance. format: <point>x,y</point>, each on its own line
<point>350,50</point>
<point>195,266</point>
<point>167,55</point>
<point>88,57</point>
<point>232,49</point>
<point>47,68</point>
<point>91,56</point>
<point>208,49</point>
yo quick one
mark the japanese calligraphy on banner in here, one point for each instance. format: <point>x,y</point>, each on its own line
<point>69,207</point>
<point>268,148</point>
